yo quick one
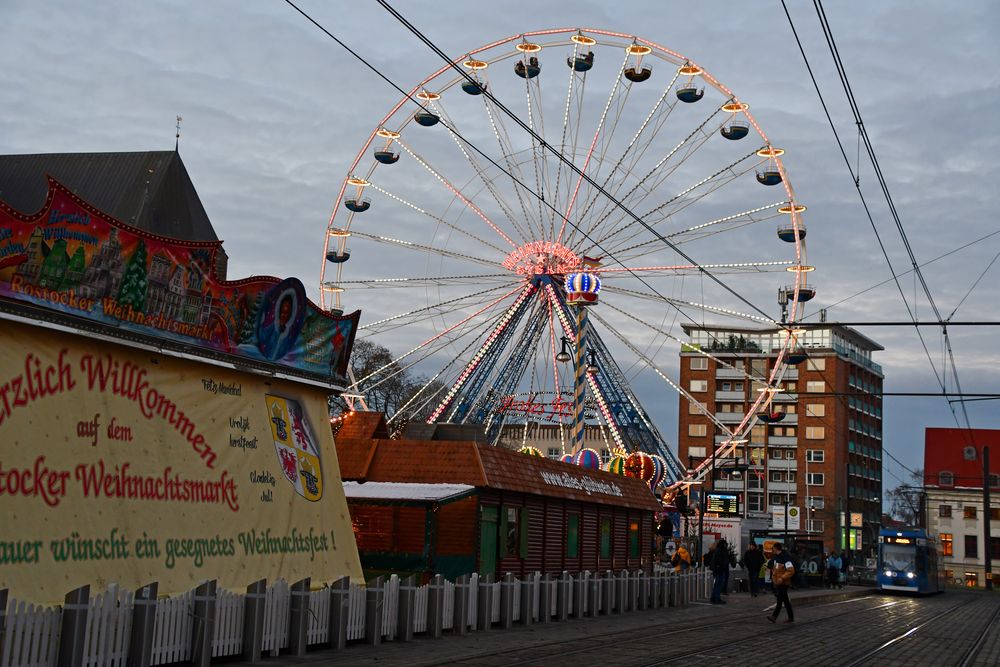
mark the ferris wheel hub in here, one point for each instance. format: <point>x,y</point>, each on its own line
<point>541,257</point>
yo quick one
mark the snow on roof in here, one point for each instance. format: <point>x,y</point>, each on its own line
<point>404,490</point>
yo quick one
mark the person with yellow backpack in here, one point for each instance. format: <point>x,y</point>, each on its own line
<point>782,572</point>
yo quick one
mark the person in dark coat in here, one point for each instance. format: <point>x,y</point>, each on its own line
<point>782,572</point>
<point>719,564</point>
<point>753,559</point>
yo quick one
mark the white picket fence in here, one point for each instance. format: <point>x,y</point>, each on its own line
<point>29,636</point>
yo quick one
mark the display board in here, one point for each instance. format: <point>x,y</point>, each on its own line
<point>722,504</point>
<point>121,465</point>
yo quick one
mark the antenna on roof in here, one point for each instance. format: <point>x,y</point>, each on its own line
<point>177,137</point>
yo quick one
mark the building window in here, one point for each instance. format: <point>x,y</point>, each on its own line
<point>994,481</point>
<point>815,432</point>
<point>633,539</point>
<point>969,512</point>
<point>816,502</point>
<point>995,514</point>
<point>605,538</point>
<point>791,475</point>
<point>815,455</point>
<point>776,476</point>
<point>994,548</point>
<point>946,478</point>
<point>815,479</point>
<point>699,364</point>
<point>777,499</point>
<point>791,387</point>
<point>816,364</point>
<point>699,385</point>
<point>971,580</point>
<point>554,452</point>
<point>946,544</point>
<point>510,530</point>
<point>695,408</point>
<point>759,367</point>
<point>573,536</point>
<point>758,433</point>
<point>815,386</point>
<point>972,546</point>
<point>944,511</point>
<point>697,430</point>
<point>696,452</point>
<point>789,453</point>
<point>815,410</point>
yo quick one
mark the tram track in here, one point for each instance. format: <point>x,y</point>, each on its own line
<point>597,641</point>
<point>973,652</point>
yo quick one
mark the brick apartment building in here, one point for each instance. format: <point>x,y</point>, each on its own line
<point>824,456</point>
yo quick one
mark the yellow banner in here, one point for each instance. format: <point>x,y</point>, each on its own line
<point>118,465</point>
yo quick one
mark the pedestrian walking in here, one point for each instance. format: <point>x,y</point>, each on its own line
<point>719,564</point>
<point>782,571</point>
<point>682,559</point>
<point>834,566</point>
<point>753,560</point>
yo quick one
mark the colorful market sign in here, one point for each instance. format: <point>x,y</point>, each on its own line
<point>121,465</point>
<point>70,257</point>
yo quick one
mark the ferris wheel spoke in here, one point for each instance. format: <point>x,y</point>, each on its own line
<point>457,192</point>
<point>590,151</point>
<point>388,283</point>
<point>482,175</point>
<point>719,225</point>
<point>437,219</point>
<point>681,200</point>
<point>438,307</point>
<point>439,335</point>
<point>399,243</point>
<point>540,165</point>
<point>762,266</point>
<point>682,303</point>
<point>615,188</point>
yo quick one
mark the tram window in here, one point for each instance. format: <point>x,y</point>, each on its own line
<point>946,544</point>
<point>969,512</point>
<point>944,511</point>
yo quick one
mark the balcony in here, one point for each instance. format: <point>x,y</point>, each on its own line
<point>790,374</point>
<point>782,397</point>
<point>730,373</point>
<point>780,487</point>
<point>791,419</point>
<point>729,417</point>
<point>781,440</point>
<point>729,485</point>
<point>782,464</point>
<point>730,396</point>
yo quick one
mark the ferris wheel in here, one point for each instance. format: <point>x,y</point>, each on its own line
<point>460,231</point>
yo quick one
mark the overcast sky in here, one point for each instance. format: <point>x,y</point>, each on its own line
<point>275,112</point>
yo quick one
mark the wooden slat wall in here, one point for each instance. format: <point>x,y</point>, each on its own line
<point>457,527</point>
<point>410,529</point>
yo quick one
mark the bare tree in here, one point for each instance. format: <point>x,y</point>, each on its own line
<point>907,500</point>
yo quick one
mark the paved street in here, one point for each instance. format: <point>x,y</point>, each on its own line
<point>832,628</point>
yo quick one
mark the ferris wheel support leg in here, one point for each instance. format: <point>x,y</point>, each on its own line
<point>580,381</point>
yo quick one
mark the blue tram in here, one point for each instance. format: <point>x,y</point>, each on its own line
<point>909,561</point>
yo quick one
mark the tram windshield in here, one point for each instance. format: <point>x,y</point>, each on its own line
<point>898,558</point>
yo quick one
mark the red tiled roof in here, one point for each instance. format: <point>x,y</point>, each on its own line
<point>379,459</point>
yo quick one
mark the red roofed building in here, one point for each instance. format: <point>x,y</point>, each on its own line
<point>953,481</point>
<point>456,506</point>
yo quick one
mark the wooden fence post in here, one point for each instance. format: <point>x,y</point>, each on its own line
<point>340,604</point>
<point>484,615</point>
<point>460,625</point>
<point>74,627</point>
<point>507,601</point>
<point>528,586</point>
<point>298,621</point>
<point>545,599</point>
<point>253,620</point>
<point>204,624</point>
<point>435,606</point>
<point>374,599</point>
<point>140,648</point>
<point>562,596</point>
<point>405,616</point>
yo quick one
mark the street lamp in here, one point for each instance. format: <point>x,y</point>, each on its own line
<point>592,366</point>
<point>563,356</point>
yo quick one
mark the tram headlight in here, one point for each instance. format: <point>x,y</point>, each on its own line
<point>888,573</point>
<point>910,575</point>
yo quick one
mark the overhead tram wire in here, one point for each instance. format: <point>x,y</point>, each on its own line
<point>562,158</point>
<point>868,213</point>
<point>870,149</point>
<point>520,183</point>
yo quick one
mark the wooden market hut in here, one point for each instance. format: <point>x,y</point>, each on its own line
<point>512,513</point>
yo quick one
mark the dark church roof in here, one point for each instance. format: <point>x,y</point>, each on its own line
<point>149,190</point>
